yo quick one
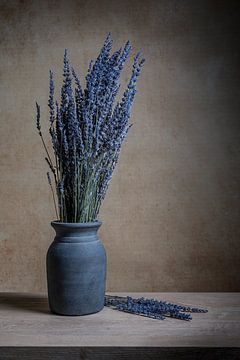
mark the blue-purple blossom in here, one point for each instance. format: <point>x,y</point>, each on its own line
<point>51,98</point>
<point>152,308</point>
<point>87,129</point>
<point>38,124</point>
<point>49,179</point>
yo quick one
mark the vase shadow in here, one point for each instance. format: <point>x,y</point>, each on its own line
<point>24,301</point>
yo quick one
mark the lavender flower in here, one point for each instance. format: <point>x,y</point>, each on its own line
<point>51,98</point>
<point>151,308</point>
<point>87,130</point>
<point>49,179</point>
<point>38,124</point>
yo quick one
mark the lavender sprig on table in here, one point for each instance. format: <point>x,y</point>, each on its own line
<point>87,129</point>
<point>152,308</point>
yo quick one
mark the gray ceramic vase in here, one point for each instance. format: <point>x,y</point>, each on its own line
<point>76,269</point>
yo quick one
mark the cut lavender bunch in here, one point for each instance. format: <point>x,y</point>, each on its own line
<point>87,130</point>
<point>151,308</point>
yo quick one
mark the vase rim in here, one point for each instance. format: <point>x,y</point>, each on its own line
<point>76,225</point>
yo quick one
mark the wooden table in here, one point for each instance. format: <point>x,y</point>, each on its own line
<point>29,331</point>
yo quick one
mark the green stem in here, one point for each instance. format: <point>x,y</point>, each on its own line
<point>54,201</point>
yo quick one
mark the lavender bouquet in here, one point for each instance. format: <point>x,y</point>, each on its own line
<point>87,129</point>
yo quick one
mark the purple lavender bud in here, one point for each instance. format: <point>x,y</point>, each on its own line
<point>51,98</point>
<point>61,187</point>
<point>38,118</point>
<point>49,179</point>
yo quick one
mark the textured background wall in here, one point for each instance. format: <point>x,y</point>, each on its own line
<point>172,211</point>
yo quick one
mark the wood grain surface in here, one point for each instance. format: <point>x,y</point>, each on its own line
<point>26,325</point>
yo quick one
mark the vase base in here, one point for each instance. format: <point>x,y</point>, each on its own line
<point>62,313</point>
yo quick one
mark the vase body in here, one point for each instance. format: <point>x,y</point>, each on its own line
<point>76,269</point>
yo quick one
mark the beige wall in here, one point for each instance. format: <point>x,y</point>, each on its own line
<point>172,211</point>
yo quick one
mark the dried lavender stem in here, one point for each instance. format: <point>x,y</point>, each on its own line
<point>45,147</point>
<point>55,206</point>
<point>54,201</point>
